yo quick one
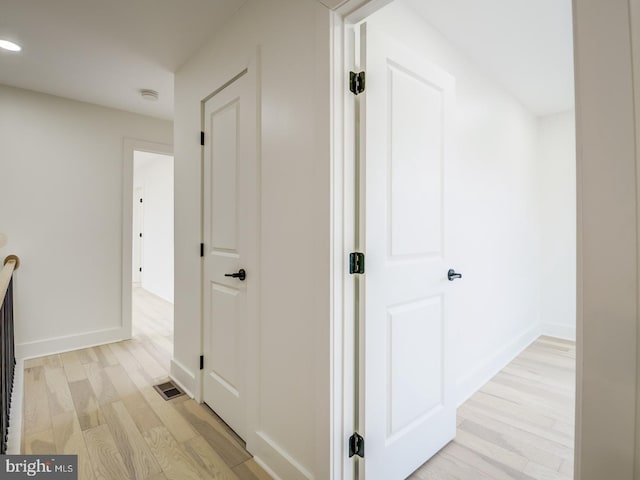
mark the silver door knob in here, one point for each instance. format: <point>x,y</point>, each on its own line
<point>452,275</point>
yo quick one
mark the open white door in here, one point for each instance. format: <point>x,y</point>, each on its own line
<point>138,226</point>
<point>406,124</point>
<point>230,245</point>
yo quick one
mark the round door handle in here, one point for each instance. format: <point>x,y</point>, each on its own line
<point>240,275</point>
<point>452,275</point>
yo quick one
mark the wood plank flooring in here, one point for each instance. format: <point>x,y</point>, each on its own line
<point>519,426</point>
<point>99,403</point>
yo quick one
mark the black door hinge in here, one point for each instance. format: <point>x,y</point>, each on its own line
<point>202,138</point>
<point>140,200</point>
<point>202,249</point>
<point>140,269</point>
<point>356,82</point>
<point>356,262</point>
<point>356,445</point>
<point>141,235</point>
<point>201,362</point>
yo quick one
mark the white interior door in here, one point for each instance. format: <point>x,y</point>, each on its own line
<point>230,236</point>
<point>138,243</point>
<point>406,124</point>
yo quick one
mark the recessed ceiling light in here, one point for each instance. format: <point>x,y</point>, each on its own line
<point>12,47</point>
<point>150,95</point>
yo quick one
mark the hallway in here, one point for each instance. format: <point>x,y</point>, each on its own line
<point>100,403</point>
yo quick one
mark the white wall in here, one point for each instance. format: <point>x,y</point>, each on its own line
<point>61,207</point>
<point>493,219</point>
<point>154,173</point>
<point>291,400</point>
<point>557,174</point>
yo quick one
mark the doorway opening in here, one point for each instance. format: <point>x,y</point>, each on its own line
<point>464,159</point>
<point>152,253</point>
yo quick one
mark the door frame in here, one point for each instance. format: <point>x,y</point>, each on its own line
<point>343,220</point>
<point>130,145</point>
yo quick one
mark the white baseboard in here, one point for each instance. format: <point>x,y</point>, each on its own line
<point>67,343</point>
<point>559,330</point>
<point>266,468</point>
<point>274,458</point>
<point>184,378</point>
<point>485,371</point>
<point>14,438</point>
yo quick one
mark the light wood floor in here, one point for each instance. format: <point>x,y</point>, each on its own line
<point>99,403</point>
<point>519,426</point>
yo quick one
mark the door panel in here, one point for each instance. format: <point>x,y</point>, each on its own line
<point>406,122</point>
<point>230,238</point>
<point>415,136</point>
<point>224,336</point>
<point>415,331</point>
<point>224,158</point>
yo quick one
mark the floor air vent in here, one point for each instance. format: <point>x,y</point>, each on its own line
<point>168,390</point>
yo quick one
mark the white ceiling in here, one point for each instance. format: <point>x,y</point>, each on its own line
<point>104,52</point>
<point>526,45</point>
